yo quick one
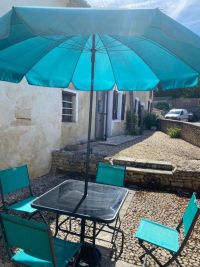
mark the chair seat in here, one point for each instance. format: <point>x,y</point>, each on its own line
<point>64,251</point>
<point>23,205</point>
<point>158,234</point>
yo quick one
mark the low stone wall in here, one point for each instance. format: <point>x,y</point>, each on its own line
<point>189,132</point>
<point>179,179</point>
<point>74,162</point>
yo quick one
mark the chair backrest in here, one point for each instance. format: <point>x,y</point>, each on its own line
<point>32,237</point>
<point>14,179</point>
<point>110,174</point>
<point>190,215</point>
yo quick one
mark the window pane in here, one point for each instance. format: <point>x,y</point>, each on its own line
<point>66,118</point>
<point>67,104</point>
<point>67,96</point>
<point>123,106</point>
<point>67,111</point>
<point>115,105</point>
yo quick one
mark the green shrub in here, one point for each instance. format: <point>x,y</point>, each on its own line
<point>162,106</point>
<point>151,120</point>
<point>174,132</point>
<point>131,122</point>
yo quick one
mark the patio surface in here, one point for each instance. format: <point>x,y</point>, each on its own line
<point>163,207</point>
<point>119,140</point>
<point>155,146</point>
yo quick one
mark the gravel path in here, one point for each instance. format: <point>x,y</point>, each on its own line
<point>159,146</point>
<point>154,146</point>
<point>163,207</point>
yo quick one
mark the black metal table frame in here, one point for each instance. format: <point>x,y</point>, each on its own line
<point>83,218</point>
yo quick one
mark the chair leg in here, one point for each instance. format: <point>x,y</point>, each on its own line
<point>114,237</point>
<point>149,252</point>
<point>176,260</point>
<point>34,213</point>
<point>56,230</point>
<point>145,254</point>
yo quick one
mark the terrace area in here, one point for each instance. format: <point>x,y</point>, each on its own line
<point>162,206</point>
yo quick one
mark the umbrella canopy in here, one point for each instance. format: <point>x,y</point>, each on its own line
<point>134,49</point>
<point>96,49</point>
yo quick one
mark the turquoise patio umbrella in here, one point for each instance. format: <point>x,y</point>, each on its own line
<point>95,49</point>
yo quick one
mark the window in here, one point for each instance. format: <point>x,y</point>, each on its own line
<point>123,106</point>
<point>149,106</point>
<point>115,105</point>
<point>69,106</point>
<point>119,105</point>
<point>135,106</point>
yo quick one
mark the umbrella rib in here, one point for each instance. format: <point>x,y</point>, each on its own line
<point>78,60</point>
<point>50,49</point>
<point>136,54</point>
<point>109,60</point>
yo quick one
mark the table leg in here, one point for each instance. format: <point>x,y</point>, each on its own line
<point>96,252</point>
<point>82,231</point>
<point>89,253</point>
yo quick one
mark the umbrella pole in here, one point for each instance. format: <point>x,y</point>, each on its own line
<point>93,51</point>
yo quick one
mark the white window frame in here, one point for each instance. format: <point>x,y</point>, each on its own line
<point>75,103</point>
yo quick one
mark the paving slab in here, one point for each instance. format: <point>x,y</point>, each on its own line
<point>119,140</point>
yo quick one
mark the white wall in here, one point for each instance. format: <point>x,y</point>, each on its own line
<point>30,117</point>
<point>30,126</point>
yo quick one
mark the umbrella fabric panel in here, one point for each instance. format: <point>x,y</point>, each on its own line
<point>129,69</point>
<point>16,60</point>
<point>45,21</point>
<point>170,70</point>
<point>156,49</point>
<point>187,52</point>
<point>103,74</point>
<point>57,67</point>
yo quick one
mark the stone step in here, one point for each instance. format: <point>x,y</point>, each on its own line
<point>144,164</point>
<point>150,171</point>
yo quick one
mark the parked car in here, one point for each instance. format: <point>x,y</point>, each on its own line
<point>192,117</point>
<point>177,114</point>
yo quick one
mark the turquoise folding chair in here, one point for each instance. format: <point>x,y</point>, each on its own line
<point>12,180</point>
<point>35,245</point>
<point>165,237</point>
<point>112,175</point>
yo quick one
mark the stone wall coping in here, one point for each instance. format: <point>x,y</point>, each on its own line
<point>182,123</point>
<point>140,170</point>
<point>127,159</point>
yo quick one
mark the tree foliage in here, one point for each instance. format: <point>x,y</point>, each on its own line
<point>177,93</point>
<point>78,3</point>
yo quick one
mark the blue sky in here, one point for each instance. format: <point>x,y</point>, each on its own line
<point>186,12</point>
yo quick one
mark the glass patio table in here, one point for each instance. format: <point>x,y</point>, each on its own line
<point>101,204</point>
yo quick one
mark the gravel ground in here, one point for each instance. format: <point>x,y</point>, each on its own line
<point>158,146</point>
<point>163,207</point>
